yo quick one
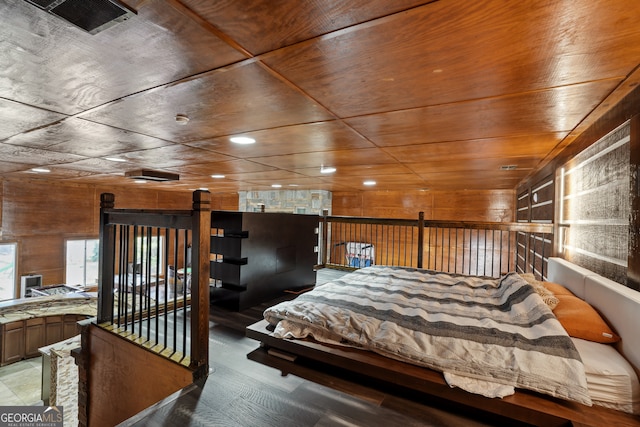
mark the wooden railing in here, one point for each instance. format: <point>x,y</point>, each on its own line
<point>477,248</point>
<point>154,278</point>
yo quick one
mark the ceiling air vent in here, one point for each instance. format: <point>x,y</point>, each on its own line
<point>508,167</point>
<point>151,175</point>
<point>91,16</point>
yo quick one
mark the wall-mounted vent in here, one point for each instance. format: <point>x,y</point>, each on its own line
<point>151,175</point>
<point>508,167</point>
<point>91,16</point>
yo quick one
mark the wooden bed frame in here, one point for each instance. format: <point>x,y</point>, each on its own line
<point>618,304</point>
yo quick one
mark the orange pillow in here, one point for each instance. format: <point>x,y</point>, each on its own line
<point>556,289</point>
<point>580,320</point>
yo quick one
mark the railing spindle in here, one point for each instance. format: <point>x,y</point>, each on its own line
<point>457,247</point>
<point>131,253</point>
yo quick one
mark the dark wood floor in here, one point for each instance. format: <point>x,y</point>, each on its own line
<point>240,392</point>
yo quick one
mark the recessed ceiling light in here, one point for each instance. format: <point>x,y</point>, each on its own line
<point>276,185</point>
<point>327,169</point>
<point>40,170</point>
<point>370,182</point>
<point>182,119</point>
<point>217,176</point>
<point>203,189</point>
<point>140,181</point>
<point>242,140</point>
<point>115,159</point>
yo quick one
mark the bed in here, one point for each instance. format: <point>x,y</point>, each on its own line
<point>545,366</point>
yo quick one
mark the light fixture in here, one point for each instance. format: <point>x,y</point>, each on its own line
<point>40,170</point>
<point>276,185</point>
<point>140,181</point>
<point>182,119</point>
<point>243,140</point>
<point>217,176</point>
<point>115,159</point>
<point>327,169</point>
<point>151,175</point>
<point>369,183</point>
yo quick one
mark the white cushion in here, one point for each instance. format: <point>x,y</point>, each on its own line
<point>568,275</point>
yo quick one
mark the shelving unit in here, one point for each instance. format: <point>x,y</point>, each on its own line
<point>257,256</point>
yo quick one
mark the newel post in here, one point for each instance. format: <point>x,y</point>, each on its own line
<point>420,237</point>
<point>200,272</point>
<point>324,243</point>
<point>106,260</point>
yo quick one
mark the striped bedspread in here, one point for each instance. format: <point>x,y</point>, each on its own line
<point>488,331</point>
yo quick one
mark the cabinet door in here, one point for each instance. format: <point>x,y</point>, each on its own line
<point>34,336</point>
<point>54,329</point>
<point>12,342</point>
<point>71,325</point>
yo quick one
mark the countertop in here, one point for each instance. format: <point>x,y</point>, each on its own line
<point>27,308</point>
<point>62,347</point>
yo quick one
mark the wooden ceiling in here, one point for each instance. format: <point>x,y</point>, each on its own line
<point>412,94</point>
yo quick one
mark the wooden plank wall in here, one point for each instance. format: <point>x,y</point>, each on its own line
<point>627,108</point>
<point>535,205</point>
<point>595,206</point>
<point>39,216</point>
<point>633,271</point>
<point>460,205</point>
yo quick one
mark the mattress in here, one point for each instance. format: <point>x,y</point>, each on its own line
<point>611,380</point>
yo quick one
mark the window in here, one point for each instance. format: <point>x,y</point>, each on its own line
<point>7,271</point>
<point>82,262</point>
<point>153,260</point>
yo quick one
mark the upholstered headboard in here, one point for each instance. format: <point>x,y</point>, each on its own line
<point>619,305</point>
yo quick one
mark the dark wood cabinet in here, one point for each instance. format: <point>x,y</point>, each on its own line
<point>12,342</point>
<point>70,325</point>
<point>22,339</point>
<point>54,330</point>
<point>34,336</point>
<point>257,256</point>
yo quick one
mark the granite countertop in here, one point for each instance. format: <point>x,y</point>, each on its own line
<point>27,308</point>
<point>62,348</point>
